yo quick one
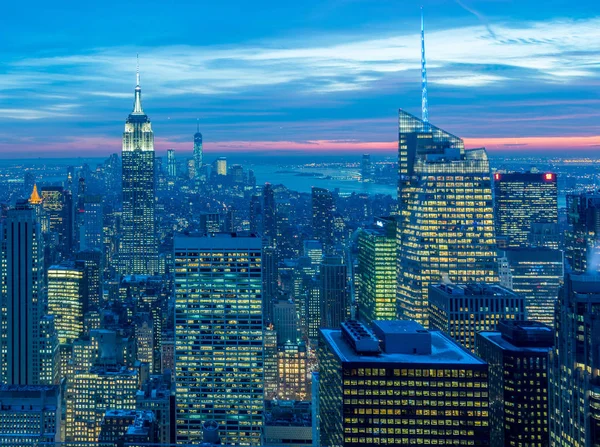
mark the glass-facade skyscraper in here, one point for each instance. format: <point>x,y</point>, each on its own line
<point>522,199</point>
<point>198,153</point>
<point>219,341</point>
<point>574,381</point>
<point>446,215</point>
<point>138,249</point>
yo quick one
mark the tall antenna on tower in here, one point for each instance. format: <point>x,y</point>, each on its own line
<point>424,101</point>
<point>137,70</point>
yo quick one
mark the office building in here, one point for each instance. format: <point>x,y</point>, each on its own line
<point>221,164</point>
<point>285,320</point>
<point>366,168</point>
<point>198,153</point>
<point>292,367</point>
<point>522,199</point>
<point>271,363</point>
<point>314,251</point>
<point>288,423</point>
<point>50,372</point>
<point>66,299</point>
<point>323,208</point>
<point>23,282</point>
<point>334,295</point>
<point>536,273</point>
<point>91,262</point>
<point>463,310</point>
<point>171,164</point>
<point>138,251</point>
<point>128,428</point>
<point>219,337</point>
<point>582,238</point>
<point>452,237</point>
<point>574,382</point>
<point>376,271</point>
<point>412,387</point>
<point>517,355</point>
<point>90,394</point>
<point>156,396</point>
<point>91,232</point>
<point>29,415</point>
<point>57,204</point>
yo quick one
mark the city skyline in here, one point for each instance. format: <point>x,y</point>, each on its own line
<point>335,85</point>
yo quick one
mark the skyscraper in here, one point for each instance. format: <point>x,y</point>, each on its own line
<point>399,384</point>
<point>452,236</point>
<point>522,199</point>
<point>198,154</point>
<point>582,239</point>
<point>66,300</point>
<point>323,207</point>
<point>221,166</point>
<point>92,229</point>
<point>138,251</point>
<point>23,276</point>
<point>366,168</point>
<point>171,163</point>
<point>517,355</point>
<point>463,310</point>
<point>536,273</point>
<point>57,204</point>
<point>574,382</point>
<point>335,296</point>
<point>219,337</point>
<point>377,271</point>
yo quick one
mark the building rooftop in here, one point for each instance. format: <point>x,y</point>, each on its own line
<point>503,343</point>
<point>217,241</point>
<point>473,289</point>
<point>443,351</point>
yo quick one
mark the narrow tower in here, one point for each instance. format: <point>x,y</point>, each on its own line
<point>138,253</point>
<point>424,102</point>
<point>198,151</point>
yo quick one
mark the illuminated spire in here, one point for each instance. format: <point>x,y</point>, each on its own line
<point>137,103</point>
<point>35,198</point>
<point>424,102</point>
<point>197,125</point>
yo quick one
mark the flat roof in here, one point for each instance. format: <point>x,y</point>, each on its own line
<point>501,342</point>
<point>444,351</point>
<point>217,241</point>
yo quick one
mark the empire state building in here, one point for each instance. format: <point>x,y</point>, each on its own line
<point>138,249</point>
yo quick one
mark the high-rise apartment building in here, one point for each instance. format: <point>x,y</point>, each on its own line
<point>138,249</point>
<point>463,310</point>
<point>522,199</point>
<point>334,296</point>
<point>517,355</point>
<point>575,361</point>
<point>66,299</point>
<point>219,337</point>
<point>323,208</point>
<point>446,215</point>
<point>377,271</point>
<point>23,286</point>
<point>536,273</point>
<point>399,384</point>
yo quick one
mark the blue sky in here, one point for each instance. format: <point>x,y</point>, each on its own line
<point>312,75</point>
